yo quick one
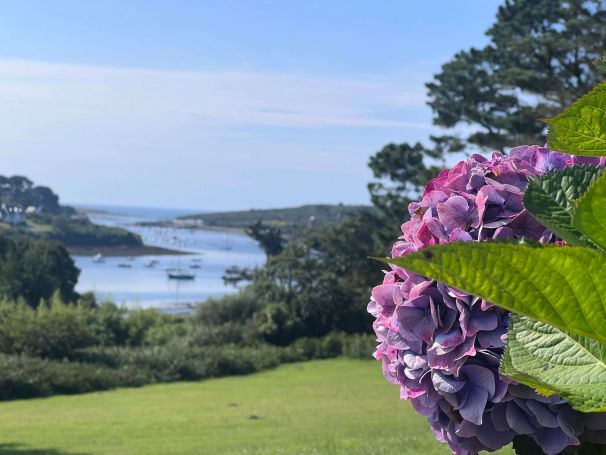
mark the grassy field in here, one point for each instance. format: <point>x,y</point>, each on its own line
<point>321,407</point>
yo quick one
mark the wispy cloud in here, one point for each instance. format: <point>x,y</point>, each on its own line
<point>37,96</point>
<point>242,138</point>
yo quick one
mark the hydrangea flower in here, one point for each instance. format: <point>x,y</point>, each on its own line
<point>442,346</point>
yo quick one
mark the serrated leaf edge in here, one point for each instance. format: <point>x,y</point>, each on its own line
<point>582,100</point>
<point>578,201</point>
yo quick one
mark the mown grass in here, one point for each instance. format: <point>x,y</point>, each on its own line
<point>321,407</point>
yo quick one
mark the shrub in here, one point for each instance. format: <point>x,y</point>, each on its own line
<point>53,330</point>
<point>236,308</point>
<point>26,377</point>
<point>102,368</point>
<point>277,324</point>
<point>227,333</point>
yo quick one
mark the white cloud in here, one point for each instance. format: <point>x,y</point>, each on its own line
<point>39,97</point>
<point>206,139</point>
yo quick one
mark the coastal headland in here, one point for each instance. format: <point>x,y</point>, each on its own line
<point>124,250</point>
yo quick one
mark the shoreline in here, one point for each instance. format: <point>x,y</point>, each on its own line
<point>173,225</point>
<point>117,251</point>
<point>232,230</point>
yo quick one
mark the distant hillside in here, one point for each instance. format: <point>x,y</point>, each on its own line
<point>286,218</point>
<point>35,211</point>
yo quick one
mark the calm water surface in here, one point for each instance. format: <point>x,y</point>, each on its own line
<point>147,287</point>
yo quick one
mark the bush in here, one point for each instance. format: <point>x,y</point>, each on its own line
<point>235,308</point>
<point>26,377</point>
<point>53,330</point>
<point>226,320</point>
<point>102,368</point>
<point>277,324</point>
<point>109,324</point>
<point>227,333</point>
<point>360,346</point>
<point>62,348</point>
<point>177,361</point>
<point>143,325</point>
<point>334,344</point>
<point>168,330</point>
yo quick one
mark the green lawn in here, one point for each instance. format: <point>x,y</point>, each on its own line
<point>322,407</point>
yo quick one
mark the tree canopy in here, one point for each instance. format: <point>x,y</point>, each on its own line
<point>34,269</point>
<point>269,238</point>
<point>538,61</point>
<point>21,191</point>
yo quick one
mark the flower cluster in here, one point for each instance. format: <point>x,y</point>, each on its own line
<point>443,347</point>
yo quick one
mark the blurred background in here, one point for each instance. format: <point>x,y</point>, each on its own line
<point>191,189</point>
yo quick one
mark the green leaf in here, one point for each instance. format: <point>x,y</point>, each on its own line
<point>590,215</point>
<point>552,361</point>
<point>562,286</point>
<point>581,129</point>
<point>550,199</point>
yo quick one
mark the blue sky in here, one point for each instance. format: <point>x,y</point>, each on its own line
<point>219,104</point>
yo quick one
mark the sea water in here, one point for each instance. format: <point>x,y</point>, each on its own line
<point>138,285</point>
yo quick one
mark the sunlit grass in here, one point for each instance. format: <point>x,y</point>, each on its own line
<point>321,407</point>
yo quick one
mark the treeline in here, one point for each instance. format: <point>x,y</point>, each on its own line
<point>60,347</point>
<point>35,211</point>
<point>21,191</point>
<point>291,221</point>
<point>81,232</point>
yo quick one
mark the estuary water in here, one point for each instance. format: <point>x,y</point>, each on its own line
<point>135,282</point>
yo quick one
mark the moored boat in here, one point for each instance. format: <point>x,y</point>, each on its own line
<point>178,274</point>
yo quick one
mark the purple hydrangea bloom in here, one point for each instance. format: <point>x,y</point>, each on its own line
<point>443,347</point>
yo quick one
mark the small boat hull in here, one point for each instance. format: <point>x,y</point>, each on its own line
<point>180,276</point>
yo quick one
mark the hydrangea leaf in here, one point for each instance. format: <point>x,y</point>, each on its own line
<point>552,361</point>
<point>589,217</point>
<point>550,199</point>
<point>562,286</point>
<point>581,129</point>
